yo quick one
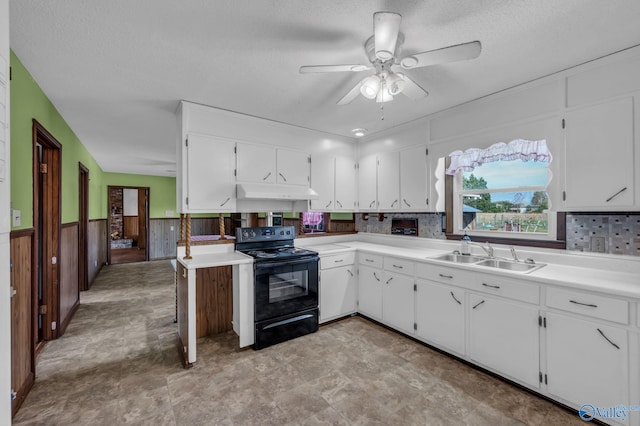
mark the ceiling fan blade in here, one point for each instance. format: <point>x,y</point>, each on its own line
<point>386,26</point>
<point>351,95</point>
<point>333,68</point>
<point>412,90</point>
<point>459,52</point>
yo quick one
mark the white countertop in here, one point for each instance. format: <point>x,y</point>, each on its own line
<point>210,260</point>
<point>611,275</point>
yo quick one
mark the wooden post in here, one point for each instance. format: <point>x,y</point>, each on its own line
<point>181,227</point>
<point>188,238</point>
<point>301,224</point>
<point>221,225</point>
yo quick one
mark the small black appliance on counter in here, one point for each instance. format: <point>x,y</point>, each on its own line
<point>404,226</point>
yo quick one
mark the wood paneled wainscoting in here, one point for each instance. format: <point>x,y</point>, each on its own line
<point>164,234</point>
<point>23,315</point>
<point>97,247</point>
<point>69,268</point>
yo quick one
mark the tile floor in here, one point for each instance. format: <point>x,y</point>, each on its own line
<point>117,364</point>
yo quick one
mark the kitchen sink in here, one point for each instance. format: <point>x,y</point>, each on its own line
<point>458,258</point>
<point>509,265</point>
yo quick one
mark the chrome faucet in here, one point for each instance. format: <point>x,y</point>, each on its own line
<point>488,249</point>
<point>513,253</point>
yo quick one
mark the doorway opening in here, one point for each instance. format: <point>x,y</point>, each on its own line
<point>128,224</point>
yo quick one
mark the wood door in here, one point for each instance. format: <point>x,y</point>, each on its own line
<point>47,158</point>
<point>143,206</point>
<point>83,225</point>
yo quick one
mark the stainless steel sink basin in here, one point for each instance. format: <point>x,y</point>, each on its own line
<point>458,258</point>
<point>509,265</point>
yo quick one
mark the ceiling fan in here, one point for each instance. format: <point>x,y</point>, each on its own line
<point>383,50</point>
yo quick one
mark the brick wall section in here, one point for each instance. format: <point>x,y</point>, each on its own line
<point>115,210</point>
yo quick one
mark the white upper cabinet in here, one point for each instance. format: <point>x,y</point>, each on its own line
<point>323,182</point>
<point>210,183</point>
<point>388,181</point>
<point>292,167</point>
<point>414,179</point>
<point>266,164</point>
<point>256,163</point>
<point>345,184</point>
<point>367,184</point>
<point>600,157</point>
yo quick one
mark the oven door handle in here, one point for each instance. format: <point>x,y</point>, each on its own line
<point>266,265</point>
<point>288,321</point>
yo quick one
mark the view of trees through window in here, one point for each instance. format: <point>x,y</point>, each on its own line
<point>506,196</point>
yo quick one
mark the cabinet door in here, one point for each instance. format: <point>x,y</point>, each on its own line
<point>505,337</point>
<point>345,184</point>
<point>388,181</point>
<point>587,362</point>
<point>293,167</point>
<point>337,293</point>
<point>599,157</point>
<point>370,292</point>
<point>211,184</point>
<point>398,302</point>
<point>413,178</point>
<point>256,163</point>
<point>323,182</point>
<point>440,315</point>
<point>367,183</point>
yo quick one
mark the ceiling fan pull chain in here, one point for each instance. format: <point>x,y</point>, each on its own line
<point>382,111</point>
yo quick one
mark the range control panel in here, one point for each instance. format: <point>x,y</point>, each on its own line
<point>264,233</point>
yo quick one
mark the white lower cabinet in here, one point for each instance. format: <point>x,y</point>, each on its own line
<point>370,291</point>
<point>587,362</point>
<point>504,336</point>
<point>338,292</point>
<point>398,301</point>
<point>440,315</point>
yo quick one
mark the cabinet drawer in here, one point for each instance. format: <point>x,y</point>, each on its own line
<point>511,289</point>
<point>444,274</point>
<point>400,266</point>
<point>373,260</point>
<point>603,307</point>
<point>337,260</point>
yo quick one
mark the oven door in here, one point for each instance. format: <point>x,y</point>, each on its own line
<point>285,287</point>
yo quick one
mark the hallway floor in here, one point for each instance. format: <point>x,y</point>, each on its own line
<point>118,364</point>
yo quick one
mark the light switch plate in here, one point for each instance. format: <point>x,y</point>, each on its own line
<point>16,215</point>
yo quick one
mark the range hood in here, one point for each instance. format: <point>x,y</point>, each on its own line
<point>266,191</point>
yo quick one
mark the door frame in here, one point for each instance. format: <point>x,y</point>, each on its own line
<point>146,221</point>
<point>50,293</point>
<point>83,227</point>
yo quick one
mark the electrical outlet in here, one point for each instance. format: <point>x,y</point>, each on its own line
<point>597,244</point>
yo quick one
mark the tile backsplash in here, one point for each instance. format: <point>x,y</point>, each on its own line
<point>621,232</point>
<point>429,224</point>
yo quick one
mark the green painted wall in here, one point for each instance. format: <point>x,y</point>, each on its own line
<point>28,101</point>
<point>162,191</point>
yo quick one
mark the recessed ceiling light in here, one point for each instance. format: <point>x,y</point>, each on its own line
<point>359,132</point>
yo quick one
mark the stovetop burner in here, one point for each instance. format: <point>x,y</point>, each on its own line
<point>262,254</point>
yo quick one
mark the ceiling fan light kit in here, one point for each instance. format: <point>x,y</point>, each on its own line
<point>383,51</point>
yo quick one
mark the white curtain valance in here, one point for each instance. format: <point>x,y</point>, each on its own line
<point>518,149</point>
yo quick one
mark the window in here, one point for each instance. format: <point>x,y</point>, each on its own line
<point>501,190</point>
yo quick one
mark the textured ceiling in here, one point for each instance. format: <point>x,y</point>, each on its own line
<point>117,69</point>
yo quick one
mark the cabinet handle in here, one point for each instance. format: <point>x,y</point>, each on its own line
<point>339,203</point>
<point>490,286</point>
<point>338,261</point>
<point>398,266</point>
<point>389,280</point>
<point>607,339</point>
<point>584,304</point>
<point>369,260</point>
<point>405,201</point>
<point>328,204</point>
<point>616,194</point>
<point>478,304</point>
<point>267,176</point>
<point>454,298</point>
<point>225,201</point>
<point>349,271</point>
<point>376,277</point>
<point>394,202</point>
<point>282,176</point>
<point>446,276</point>
<point>372,203</point>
